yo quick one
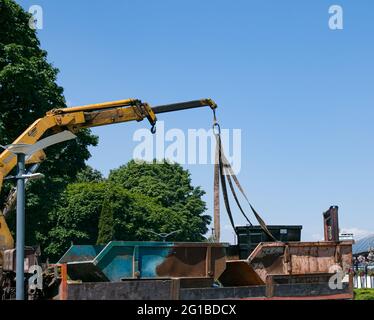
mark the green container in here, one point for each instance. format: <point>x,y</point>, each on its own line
<point>250,236</point>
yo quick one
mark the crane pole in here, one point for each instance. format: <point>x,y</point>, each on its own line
<point>184,106</point>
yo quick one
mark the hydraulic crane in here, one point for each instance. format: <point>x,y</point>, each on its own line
<point>75,119</point>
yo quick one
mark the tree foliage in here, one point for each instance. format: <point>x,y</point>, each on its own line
<point>169,185</point>
<point>106,222</point>
<point>28,82</point>
<point>89,174</point>
<point>28,89</point>
<point>96,212</point>
<point>75,218</point>
<point>74,203</point>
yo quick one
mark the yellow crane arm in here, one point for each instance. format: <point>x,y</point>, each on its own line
<point>72,119</point>
<point>88,116</point>
<point>75,119</point>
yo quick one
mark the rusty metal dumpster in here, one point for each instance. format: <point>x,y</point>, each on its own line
<point>156,270</point>
<point>301,258</point>
<point>288,259</point>
<point>124,260</point>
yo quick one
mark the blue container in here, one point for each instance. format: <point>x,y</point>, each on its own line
<point>121,260</point>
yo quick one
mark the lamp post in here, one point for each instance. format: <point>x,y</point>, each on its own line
<point>22,151</point>
<point>20,241</point>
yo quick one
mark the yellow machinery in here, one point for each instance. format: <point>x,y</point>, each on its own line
<point>74,119</point>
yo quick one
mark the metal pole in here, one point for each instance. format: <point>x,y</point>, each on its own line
<point>20,242</point>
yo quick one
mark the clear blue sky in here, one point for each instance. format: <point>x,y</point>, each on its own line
<point>301,93</point>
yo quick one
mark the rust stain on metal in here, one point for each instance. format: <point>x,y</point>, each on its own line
<point>301,258</point>
<point>199,261</point>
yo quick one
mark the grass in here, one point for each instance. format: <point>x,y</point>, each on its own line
<point>364,294</point>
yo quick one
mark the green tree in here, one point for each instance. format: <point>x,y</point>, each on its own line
<point>169,185</point>
<point>96,212</point>
<point>89,174</point>
<point>75,218</point>
<point>28,89</point>
<point>106,223</point>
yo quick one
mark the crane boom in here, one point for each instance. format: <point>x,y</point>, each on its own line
<point>75,119</point>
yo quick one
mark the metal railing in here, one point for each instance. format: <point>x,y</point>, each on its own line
<point>363,282</point>
<point>363,277</point>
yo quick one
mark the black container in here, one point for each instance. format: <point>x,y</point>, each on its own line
<point>250,236</point>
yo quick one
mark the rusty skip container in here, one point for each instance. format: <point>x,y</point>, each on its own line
<point>126,260</point>
<point>294,258</point>
<point>9,260</point>
<point>288,259</point>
